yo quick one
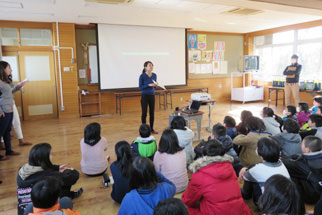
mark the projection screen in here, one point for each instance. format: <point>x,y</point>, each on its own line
<point>122,51</point>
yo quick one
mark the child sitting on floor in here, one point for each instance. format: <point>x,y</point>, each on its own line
<point>93,148</point>
<point>214,187</point>
<point>315,124</point>
<point>219,133</point>
<point>148,187</point>
<point>317,101</point>
<point>120,170</point>
<point>170,160</point>
<point>255,177</point>
<point>248,155</point>
<point>185,137</point>
<point>303,114</point>
<point>45,199</point>
<point>290,113</point>
<point>144,145</point>
<point>241,127</point>
<point>271,121</point>
<point>230,125</point>
<point>281,197</point>
<point>289,140</point>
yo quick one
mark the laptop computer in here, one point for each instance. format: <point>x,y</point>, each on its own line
<point>194,107</point>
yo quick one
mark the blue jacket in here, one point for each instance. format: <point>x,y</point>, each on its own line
<point>144,82</point>
<point>143,201</point>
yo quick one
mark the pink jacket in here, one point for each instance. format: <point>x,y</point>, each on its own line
<point>302,117</point>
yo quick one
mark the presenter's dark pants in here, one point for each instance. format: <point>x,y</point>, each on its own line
<point>147,100</point>
<point>5,128</point>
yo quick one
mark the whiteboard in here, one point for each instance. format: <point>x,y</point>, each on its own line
<point>124,49</point>
<point>92,62</point>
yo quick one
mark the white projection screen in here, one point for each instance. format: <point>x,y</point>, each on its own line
<point>124,49</point>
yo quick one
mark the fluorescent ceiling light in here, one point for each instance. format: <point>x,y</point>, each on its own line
<point>8,4</point>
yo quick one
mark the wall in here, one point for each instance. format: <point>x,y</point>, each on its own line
<point>219,87</point>
<point>232,53</point>
<point>83,36</point>
<point>69,79</point>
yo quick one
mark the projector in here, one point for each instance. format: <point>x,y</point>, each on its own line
<point>200,96</point>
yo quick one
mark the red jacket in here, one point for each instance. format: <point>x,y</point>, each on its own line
<point>214,184</point>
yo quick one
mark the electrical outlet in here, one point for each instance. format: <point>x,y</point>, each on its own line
<point>181,99</point>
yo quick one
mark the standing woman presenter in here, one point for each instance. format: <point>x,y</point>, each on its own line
<point>147,83</point>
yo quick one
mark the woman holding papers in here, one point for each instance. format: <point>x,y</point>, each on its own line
<point>16,119</point>
<point>6,108</point>
<point>147,83</point>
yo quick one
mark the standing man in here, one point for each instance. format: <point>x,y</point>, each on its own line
<point>292,86</point>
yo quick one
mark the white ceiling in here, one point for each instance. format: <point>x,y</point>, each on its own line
<point>202,15</point>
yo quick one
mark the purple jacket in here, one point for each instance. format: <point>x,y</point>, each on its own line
<point>302,117</point>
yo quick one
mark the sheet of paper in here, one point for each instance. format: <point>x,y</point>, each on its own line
<point>223,67</point>
<point>219,46</point>
<point>198,68</point>
<point>206,56</point>
<point>159,85</point>
<point>216,67</point>
<point>192,68</point>
<point>192,41</point>
<point>196,56</point>
<point>206,68</point>
<point>82,73</point>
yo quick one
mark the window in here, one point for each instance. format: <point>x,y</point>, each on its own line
<point>310,33</point>
<point>281,56</point>
<point>9,36</point>
<point>283,37</point>
<point>275,53</point>
<point>310,56</point>
<point>35,37</point>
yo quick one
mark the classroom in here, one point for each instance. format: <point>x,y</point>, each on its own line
<point>114,66</point>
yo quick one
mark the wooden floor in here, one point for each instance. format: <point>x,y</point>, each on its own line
<point>64,136</point>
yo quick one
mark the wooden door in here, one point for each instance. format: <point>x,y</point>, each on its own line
<point>39,95</point>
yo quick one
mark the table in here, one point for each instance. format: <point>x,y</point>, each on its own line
<point>194,116</point>
<point>182,90</point>
<point>161,93</point>
<point>211,104</point>
<point>277,89</point>
<point>120,95</point>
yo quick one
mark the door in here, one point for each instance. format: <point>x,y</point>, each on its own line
<point>39,94</point>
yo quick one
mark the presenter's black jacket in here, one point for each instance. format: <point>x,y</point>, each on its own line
<point>292,73</point>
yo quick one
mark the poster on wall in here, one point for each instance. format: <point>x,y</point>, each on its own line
<point>202,39</point>
<point>218,55</point>
<point>219,46</point>
<point>206,68</point>
<point>195,55</point>
<point>219,67</point>
<point>206,56</point>
<point>197,68</point>
<point>192,68</point>
<point>192,41</point>
<point>216,67</point>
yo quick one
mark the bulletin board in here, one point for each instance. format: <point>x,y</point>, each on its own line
<point>211,55</point>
